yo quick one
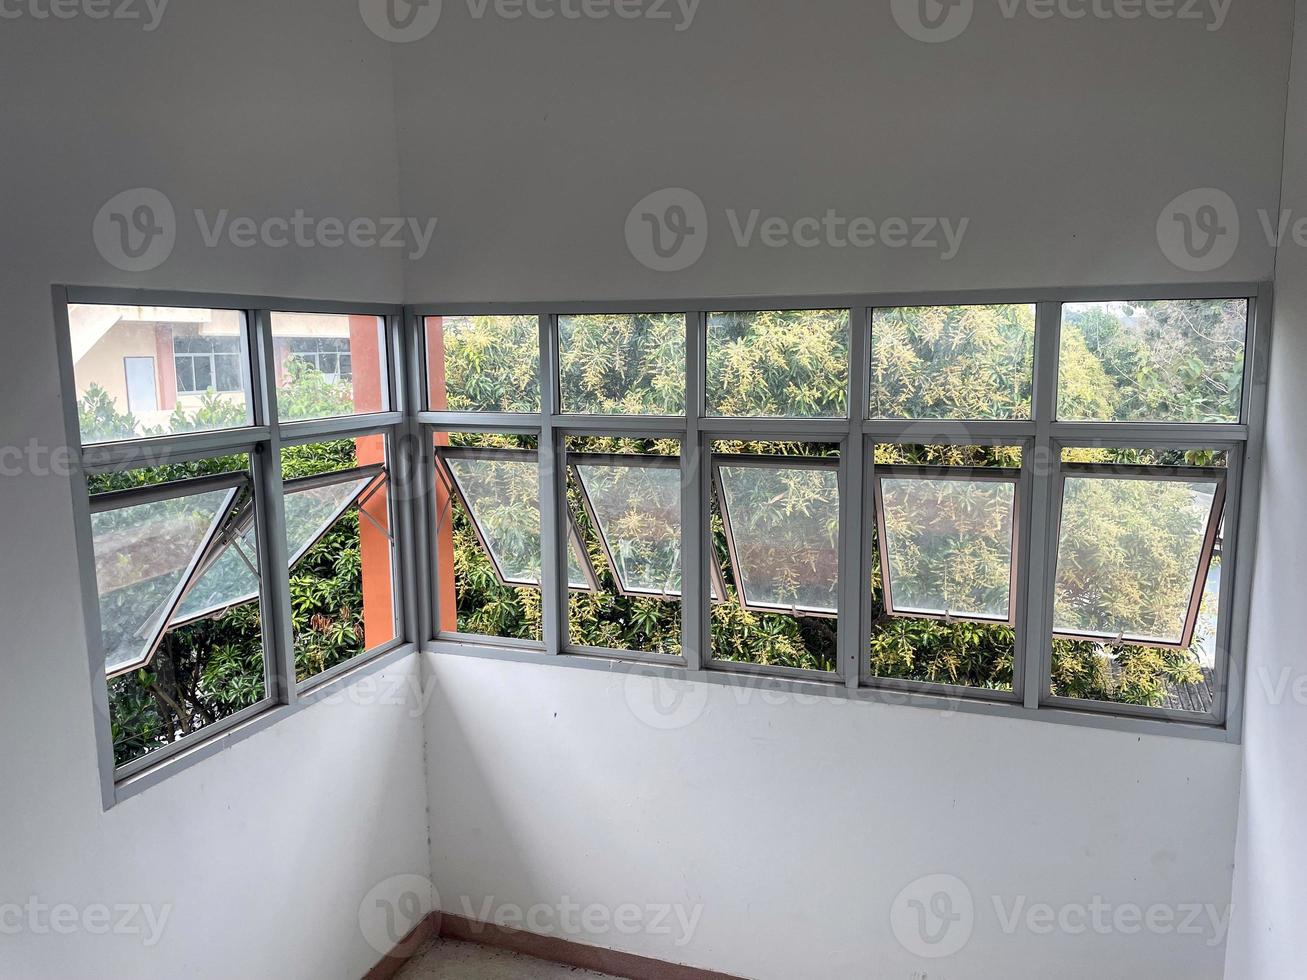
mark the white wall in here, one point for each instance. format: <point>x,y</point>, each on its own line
<point>1266,939</point>
<point>796,827</point>
<point>794,823</point>
<point>1060,141</point>
<point>265,851</point>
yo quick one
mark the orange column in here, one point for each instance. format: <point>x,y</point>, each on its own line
<point>437,400</point>
<point>378,596</point>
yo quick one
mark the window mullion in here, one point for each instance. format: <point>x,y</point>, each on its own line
<point>553,496</point>
<point>1037,557</point>
<point>270,514</point>
<point>696,550</point>
<point>854,614</point>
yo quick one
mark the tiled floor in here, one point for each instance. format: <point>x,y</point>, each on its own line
<point>448,959</point>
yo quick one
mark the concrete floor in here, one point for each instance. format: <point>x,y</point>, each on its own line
<point>449,959</point>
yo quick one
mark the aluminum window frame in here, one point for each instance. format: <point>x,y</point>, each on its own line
<point>408,426</point>
<point>856,436</point>
<point>958,474</point>
<point>1211,530</point>
<point>262,438</point>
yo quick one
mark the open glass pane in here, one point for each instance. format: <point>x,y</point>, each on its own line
<point>635,504</point>
<point>782,524</point>
<point>952,362</point>
<point>329,365</point>
<point>341,551</point>
<point>786,363</point>
<point>1133,555</point>
<point>483,363</point>
<point>231,577</point>
<point>622,364</point>
<point>625,497</point>
<point>947,544</point>
<point>144,554</point>
<point>180,677</point>
<point>943,600</point>
<point>501,491</point>
<point>1152,361</point>
<point>157,370</point>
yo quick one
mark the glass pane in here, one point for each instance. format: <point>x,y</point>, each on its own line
<point>638,510</point>
<point>503,495</point>
<point>229,372</point>
<point>1154,361</point>
<point>142,555</point>
<point>623,364</point>
<point>304,389</point>
<point>779,363</point>
<point>952,362</point>
<point>340,552</point>
<point>203,373</point>
<point>630,525</point>
<point>783,524</point>
<point>185,375</point>
<point>471,597</point>
<point>232,577</point>
<point>483,363</point>
<point>123,357</point>
<point>948,546</point>
<point>1129,553</point>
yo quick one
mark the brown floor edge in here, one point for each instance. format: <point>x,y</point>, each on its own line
<point>569,953</point>
<point>394,961</point>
